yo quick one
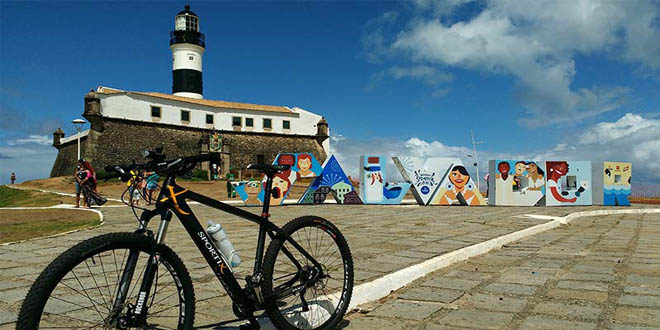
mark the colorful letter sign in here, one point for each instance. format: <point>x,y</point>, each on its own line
<point>611,183</point>
<point>302,165</point>
<point>516,183</point>
<point>458,188</point>
<point>374,189</point>
<point>568,183</point>
<point>425,175</point>
<point>332,180</point>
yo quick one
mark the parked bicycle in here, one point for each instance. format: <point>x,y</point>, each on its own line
<point>303,280</point>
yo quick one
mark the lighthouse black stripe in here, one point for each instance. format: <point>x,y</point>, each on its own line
<point>186,80</point>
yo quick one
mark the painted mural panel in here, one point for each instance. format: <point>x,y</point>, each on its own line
<point>331,181</point>
<point>568,183</point>
<point>302,165</point>
<point>425,175</point>
<point>374,189</point>
<point>458,188</point>
<point>616,183</point>
<point>516,183</point>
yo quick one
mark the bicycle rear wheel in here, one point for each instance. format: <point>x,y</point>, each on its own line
<point>78,289</point>
<point>322,303</point>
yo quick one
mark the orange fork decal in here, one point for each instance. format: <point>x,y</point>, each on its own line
<point>173,196</point>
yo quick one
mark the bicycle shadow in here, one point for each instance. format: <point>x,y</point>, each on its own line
<point>264,324</point>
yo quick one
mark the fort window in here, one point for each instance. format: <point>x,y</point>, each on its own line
<point>155,112</point>
<point>185,115</point>
<point>249,122</point>
<point>236,121</point>
<point>261,159</point>
<point>617,178</point>
<point>286,124</point>
<point>268,123</point>
<point>209,119</point>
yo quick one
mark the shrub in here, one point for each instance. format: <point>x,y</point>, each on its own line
<point>200,174</point>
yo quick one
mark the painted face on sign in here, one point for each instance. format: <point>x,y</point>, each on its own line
<point>532,169</point>
<point>504,168</point>
<point>304,164</point>
<point>281,185</point>
<point>286,160</point>
<point>558,170</point>
<point>520,169</point>
<point>252,187</point>
<point>458,179</point>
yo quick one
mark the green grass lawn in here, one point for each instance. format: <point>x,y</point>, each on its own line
<point>10,197</point>
<point>18,225</point>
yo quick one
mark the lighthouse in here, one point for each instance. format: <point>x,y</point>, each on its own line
<point>187,45</point>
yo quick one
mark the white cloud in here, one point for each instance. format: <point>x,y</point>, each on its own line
<point>627,125</point>
<point>36,139</point>
<point>426,73</point>
<point>631,138</point>
<point>536,42</point>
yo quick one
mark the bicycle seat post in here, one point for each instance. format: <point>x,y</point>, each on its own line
<point>267,194</point>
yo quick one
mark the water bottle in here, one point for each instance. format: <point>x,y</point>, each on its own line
<point>222,242</point>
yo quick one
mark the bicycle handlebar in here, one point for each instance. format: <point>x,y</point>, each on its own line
<point>178,165</point>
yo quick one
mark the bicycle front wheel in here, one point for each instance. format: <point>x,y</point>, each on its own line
<point>79,288</point>
<point>295,296</point>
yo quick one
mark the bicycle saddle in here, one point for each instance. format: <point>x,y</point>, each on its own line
<point>269,170</point>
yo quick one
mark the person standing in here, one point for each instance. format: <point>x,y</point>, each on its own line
<point>486,177</point>
<point>88,185</point>
<point>12,178</point>
<point>152,185</point>
<point>78,176</point>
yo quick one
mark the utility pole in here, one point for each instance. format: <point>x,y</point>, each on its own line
<point>476,158</point>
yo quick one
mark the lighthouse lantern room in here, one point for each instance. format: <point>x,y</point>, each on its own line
<point>187,45</point>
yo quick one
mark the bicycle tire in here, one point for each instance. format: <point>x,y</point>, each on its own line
<point>53,278</point>
<point>334,294</point>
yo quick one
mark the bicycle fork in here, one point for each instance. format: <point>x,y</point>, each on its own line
<point>137,315</point>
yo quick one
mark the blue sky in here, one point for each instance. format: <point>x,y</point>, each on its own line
<point>398,77</point>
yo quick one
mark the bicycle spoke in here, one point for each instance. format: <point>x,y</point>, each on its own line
<point>97,286</point>
<point>87,294</point>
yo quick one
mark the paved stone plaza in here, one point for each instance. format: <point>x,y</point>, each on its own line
<point>596,273</point>
<point>594,269</point>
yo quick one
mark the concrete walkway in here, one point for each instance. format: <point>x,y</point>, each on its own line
<point>383,239</point>
<point>596,273</point>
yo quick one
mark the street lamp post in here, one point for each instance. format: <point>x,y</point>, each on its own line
<point>79,123</point>
<point>476,158</point>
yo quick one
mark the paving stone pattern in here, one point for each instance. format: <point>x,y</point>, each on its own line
<point>595,273</point>
<point>382,239</point>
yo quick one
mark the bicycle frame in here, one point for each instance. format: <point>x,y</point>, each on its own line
<point>173,199</point>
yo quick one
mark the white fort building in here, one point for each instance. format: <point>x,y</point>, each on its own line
<point>184,123</point>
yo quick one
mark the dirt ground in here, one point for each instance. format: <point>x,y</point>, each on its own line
<point>114,188</point>
<point>645,200</point>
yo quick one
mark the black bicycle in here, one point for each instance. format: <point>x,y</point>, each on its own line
<point>303,280</point>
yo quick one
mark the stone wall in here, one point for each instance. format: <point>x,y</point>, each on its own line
<point>65,162</point>
<point>112,141</point>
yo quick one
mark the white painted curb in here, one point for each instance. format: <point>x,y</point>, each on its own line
<point>382,287</point>
<point>101,219</point>
<point>55,192</point>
